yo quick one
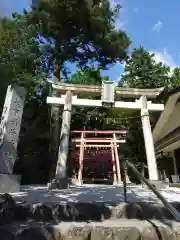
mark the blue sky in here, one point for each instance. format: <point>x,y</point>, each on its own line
<point>153,24</point>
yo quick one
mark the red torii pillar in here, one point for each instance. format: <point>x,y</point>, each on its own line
<point>81,158</point>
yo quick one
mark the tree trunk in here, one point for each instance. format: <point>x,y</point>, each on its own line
<point>55,122</point>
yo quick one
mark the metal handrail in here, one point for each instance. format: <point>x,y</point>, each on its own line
<point>168,205</point>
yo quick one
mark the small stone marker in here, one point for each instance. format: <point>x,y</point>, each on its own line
<point>10,127</point>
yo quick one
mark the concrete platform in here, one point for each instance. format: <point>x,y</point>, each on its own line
<point>93,194</point>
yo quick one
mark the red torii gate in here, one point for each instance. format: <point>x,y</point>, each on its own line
<point>111,143</point>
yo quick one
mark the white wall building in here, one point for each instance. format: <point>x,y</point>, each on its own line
<point>166,134</point>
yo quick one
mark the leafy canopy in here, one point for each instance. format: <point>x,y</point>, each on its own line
<point>81,31</point>
<point>142,71</point>
<point>21,57</point>
<point>90,76</point>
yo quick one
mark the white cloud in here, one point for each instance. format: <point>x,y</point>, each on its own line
<point>157,26</point>
<point>165,57</point>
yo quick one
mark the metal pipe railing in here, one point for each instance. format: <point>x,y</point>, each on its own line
<point>124,182</point>
<point>168,205</point>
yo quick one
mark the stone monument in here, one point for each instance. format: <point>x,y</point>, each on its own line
<point>9,134</point>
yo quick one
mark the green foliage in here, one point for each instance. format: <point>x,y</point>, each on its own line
<point>21,62</point>
<point>175,78</point>
<point>89,76</point>
<point>142,71</point>
<point>80,31</point>
<point>33,150</point>
<point>21,57</point>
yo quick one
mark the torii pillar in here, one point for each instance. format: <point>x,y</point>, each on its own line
<point>61,180</point>
<point>148,140</point>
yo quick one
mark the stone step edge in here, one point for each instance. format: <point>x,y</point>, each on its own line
<point>82,212</point>
<point>111,229</point>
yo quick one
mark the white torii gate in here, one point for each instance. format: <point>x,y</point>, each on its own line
<point>109,98</point>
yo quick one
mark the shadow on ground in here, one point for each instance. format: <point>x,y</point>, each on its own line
<point>102,194</point>
<point>82,204</point>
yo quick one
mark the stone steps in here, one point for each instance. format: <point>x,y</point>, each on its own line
<point>83,221</point>
<point>83,212</point>
<point>123,229</point>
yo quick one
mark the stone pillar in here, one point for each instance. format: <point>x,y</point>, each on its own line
<point>64,139</point>
<point>10,127</point>
<point>148,139</point>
